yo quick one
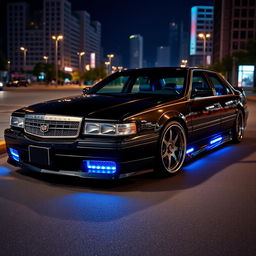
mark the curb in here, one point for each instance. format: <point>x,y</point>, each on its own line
<point>251,98</point>
<point>2,147</point>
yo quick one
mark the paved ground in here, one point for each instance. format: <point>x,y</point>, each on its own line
<point>208,209</point>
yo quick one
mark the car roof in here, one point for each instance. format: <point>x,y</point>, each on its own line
<point>161,69</point>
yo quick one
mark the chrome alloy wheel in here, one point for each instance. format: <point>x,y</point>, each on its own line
<point>238,132</point>
<point>173,147</point>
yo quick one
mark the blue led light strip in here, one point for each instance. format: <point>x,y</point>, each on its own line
<point>104,167</point>
<point>14,154</point>
<point>215,140</point>
<point>190,150</point>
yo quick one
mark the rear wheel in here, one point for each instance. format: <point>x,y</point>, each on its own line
<point>238,129</point>
<point>172,148</point>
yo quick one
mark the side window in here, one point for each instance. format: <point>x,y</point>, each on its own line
<point>220,87</point>
<point>115,86</point>
<point>200,87</point>
<point>142,84</point>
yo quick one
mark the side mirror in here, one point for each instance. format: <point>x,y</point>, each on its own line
<point>86,90</point>
<point>202,92</point>
<point>239,89</point>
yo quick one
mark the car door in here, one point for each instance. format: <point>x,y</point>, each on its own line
<point>205,108</point>
<point>227,100</point>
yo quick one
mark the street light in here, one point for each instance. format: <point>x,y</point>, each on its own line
<point>56,38</point>
<point>24,50</point>
<point>80,54</point>
<point>204,36</point>
<point>110,57</point>
<point>183,63</point>
<point>46,59</point>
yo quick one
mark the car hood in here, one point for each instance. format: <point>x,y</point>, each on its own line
<point>97,106</point>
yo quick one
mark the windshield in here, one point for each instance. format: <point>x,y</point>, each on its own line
<point>170,83</point>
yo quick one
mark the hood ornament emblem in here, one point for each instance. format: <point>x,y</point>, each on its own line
<point>44,128</point>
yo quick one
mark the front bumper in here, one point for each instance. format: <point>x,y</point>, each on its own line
<point>131,155</point>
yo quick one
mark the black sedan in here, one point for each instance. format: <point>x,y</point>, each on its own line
<point>18,83</point>
<point>131,121</point>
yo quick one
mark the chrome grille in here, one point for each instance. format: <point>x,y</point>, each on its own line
<point>52,126</point>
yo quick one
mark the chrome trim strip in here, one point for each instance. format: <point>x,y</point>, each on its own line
<point>48,117</point>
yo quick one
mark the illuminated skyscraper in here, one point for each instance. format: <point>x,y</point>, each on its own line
<point>34,31</point>
<point>136,51</point>
<point>201,22</point>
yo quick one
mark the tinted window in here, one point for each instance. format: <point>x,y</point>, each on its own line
<point>200,85</point>
<point>169,83</point>
<point>220,87</point>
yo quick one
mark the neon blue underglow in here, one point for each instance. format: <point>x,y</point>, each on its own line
<point>97,166</point>
<point>215,140</point>
<point>14,154</point>
<point>190,150</point>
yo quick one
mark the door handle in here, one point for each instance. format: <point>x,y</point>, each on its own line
<point>214,106</point>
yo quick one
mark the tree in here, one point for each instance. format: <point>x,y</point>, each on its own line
<point>47,69</point>
<point>248,56</point>
<point>95,74</point>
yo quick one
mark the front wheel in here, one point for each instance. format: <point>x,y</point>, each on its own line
<point>172,148</point>
<point>238,129</point>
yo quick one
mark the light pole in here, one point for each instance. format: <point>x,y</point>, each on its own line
<point>80,54</point>
<point>56,38</point>
<point>110,57</point>
<point>107,63</point>
<point>204,36</point>
<point>24,50</point>
<point>46,59</point>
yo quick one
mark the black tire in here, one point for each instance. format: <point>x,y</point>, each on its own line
<point>171,149</point>
<point>238,129</point>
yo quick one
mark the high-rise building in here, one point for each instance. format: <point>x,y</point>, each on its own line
<point>201,23</point>
<point>136,51</point>
<point>178,43</point>
<point>174,43</point>
<point>90,40</point>
<point>163,56</point>
<point>33,30</point>
<point>234,26</point>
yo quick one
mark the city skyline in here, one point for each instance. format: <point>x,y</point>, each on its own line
<point>151,20</point>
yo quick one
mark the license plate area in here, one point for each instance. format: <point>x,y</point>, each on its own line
<point>39,155</point>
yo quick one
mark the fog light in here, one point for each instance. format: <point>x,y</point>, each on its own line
<point>14,154</point>
<point>100,167</point>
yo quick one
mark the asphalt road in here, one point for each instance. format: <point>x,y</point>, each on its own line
<point>14,98</point>
<point>208,209</point>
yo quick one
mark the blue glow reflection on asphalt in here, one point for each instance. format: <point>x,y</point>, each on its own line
<point>207,162</point>
<point>4,171</point>
<point>94,207</point>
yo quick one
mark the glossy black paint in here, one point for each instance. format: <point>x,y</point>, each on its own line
<point>202,118</point>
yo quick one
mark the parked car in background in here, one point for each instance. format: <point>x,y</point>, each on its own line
<point>18,83</point>
<point>131,121</point>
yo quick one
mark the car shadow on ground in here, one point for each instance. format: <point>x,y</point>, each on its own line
<point>69,198</point>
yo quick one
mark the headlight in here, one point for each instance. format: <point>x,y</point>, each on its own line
<point>110,129</point>
<point>1,84</point>
<point>16,121</point>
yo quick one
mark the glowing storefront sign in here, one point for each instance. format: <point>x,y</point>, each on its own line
<point>92,60</point>
<point>68,69</point>
<point>246,75</point>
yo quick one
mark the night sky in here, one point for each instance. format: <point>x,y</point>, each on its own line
<point>121,18</point>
